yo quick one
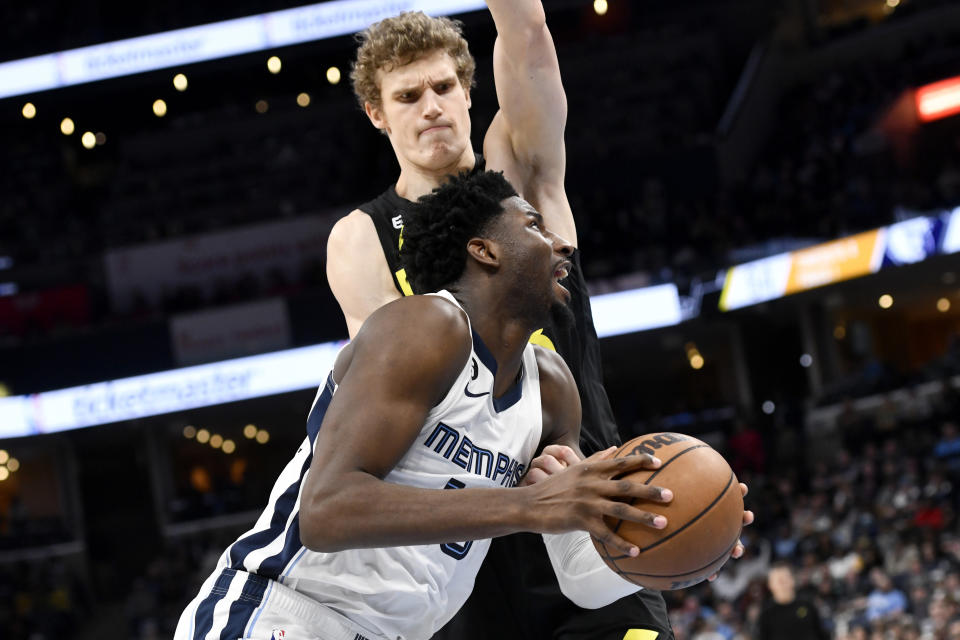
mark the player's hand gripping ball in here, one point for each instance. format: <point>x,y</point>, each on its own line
<point>704,519</point>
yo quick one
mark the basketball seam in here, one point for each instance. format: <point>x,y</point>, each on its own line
<point>616,529</point>
<point>679,575</point>
<point>689,522</point>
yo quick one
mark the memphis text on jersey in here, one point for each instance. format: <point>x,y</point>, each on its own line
<point>468,455</point>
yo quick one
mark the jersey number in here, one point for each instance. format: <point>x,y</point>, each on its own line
<point>456,550</point>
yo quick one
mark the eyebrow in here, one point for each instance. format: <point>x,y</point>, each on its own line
<point>419,86</point>
<point>535,214</point>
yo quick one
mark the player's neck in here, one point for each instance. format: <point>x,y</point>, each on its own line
<point>416,181</point>
<point>505,337</point>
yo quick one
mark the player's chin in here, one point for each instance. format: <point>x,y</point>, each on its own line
<point>561,294</point>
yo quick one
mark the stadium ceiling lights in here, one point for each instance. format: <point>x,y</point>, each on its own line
<point>939,100</point>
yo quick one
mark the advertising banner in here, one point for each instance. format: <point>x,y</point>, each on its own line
<point>167,391</point>
<point>951,233</point>
<point>203,262</point>
<point>229,332</point>
<point>636,310</point>
<point>209,42</point>
<point>755,282</point>
<point>907,242</point>
<point>45,309</point>
<point>835,261</point>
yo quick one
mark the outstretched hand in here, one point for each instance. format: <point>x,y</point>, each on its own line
<point>569,496</point>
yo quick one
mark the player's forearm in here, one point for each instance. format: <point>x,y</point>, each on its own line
<point>364,512</point>
<point>582,574</point>
<point>523,34</point>
<point>517,15</point>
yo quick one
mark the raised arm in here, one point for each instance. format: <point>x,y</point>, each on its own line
<point>525,139</point>
<point>357,269</point>
<point>401,364</point>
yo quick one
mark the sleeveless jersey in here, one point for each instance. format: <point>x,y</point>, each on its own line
<point>470,439</point>
<point>577,343</point>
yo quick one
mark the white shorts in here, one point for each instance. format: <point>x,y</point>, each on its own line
<point>236,605</point>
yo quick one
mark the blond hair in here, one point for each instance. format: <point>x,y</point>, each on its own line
<point>395,42</point>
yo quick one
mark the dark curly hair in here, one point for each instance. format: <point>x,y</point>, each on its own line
<point>437,227</point>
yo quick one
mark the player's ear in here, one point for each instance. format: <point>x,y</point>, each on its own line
<point>485,251</point>
<point>376,116</point>
<point>466,91</point>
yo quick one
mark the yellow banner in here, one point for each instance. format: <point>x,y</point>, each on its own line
<point>835,261</point>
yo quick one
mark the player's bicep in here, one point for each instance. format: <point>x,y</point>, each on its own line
<point>357,270</point>
<point>398,371</point>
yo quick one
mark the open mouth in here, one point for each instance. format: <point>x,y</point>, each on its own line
<point>559,274</point>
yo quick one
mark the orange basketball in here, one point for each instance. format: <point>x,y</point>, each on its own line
<point>704,519</point>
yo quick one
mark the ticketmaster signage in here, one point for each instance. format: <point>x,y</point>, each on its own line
<point>261,375</point>
<point>167,391</point>
<point>208,42</point>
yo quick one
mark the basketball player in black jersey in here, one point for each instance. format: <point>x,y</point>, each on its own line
<point>413,76</point>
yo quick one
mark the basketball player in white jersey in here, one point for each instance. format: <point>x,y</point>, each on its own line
<point>378,525</point>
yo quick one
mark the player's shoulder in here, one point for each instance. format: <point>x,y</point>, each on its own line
<point>554,372</point>
<point>429,334</point>
<point>352,230</point>
<point>356,220</point>
<point>420,320</point>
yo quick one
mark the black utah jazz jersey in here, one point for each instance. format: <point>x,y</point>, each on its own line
<point>577,343</point>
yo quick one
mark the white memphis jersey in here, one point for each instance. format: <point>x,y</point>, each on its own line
<point>470,439</point>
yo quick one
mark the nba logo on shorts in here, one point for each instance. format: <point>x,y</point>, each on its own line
<point>278,634</point>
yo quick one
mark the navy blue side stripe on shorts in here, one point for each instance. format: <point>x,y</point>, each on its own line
<point>242,609</point>
<point>203,620</point>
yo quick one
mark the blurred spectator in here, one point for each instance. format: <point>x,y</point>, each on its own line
<point>788,616</point>
<point>947,449</point>
<point>746,448</point>
<point>885,601</point>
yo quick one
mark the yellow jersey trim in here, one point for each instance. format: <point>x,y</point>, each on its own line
<point>538,338</point>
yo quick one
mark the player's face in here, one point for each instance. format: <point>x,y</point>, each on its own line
<point>542,257</point>
<point>425,111</point>
<point>780,580</point>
